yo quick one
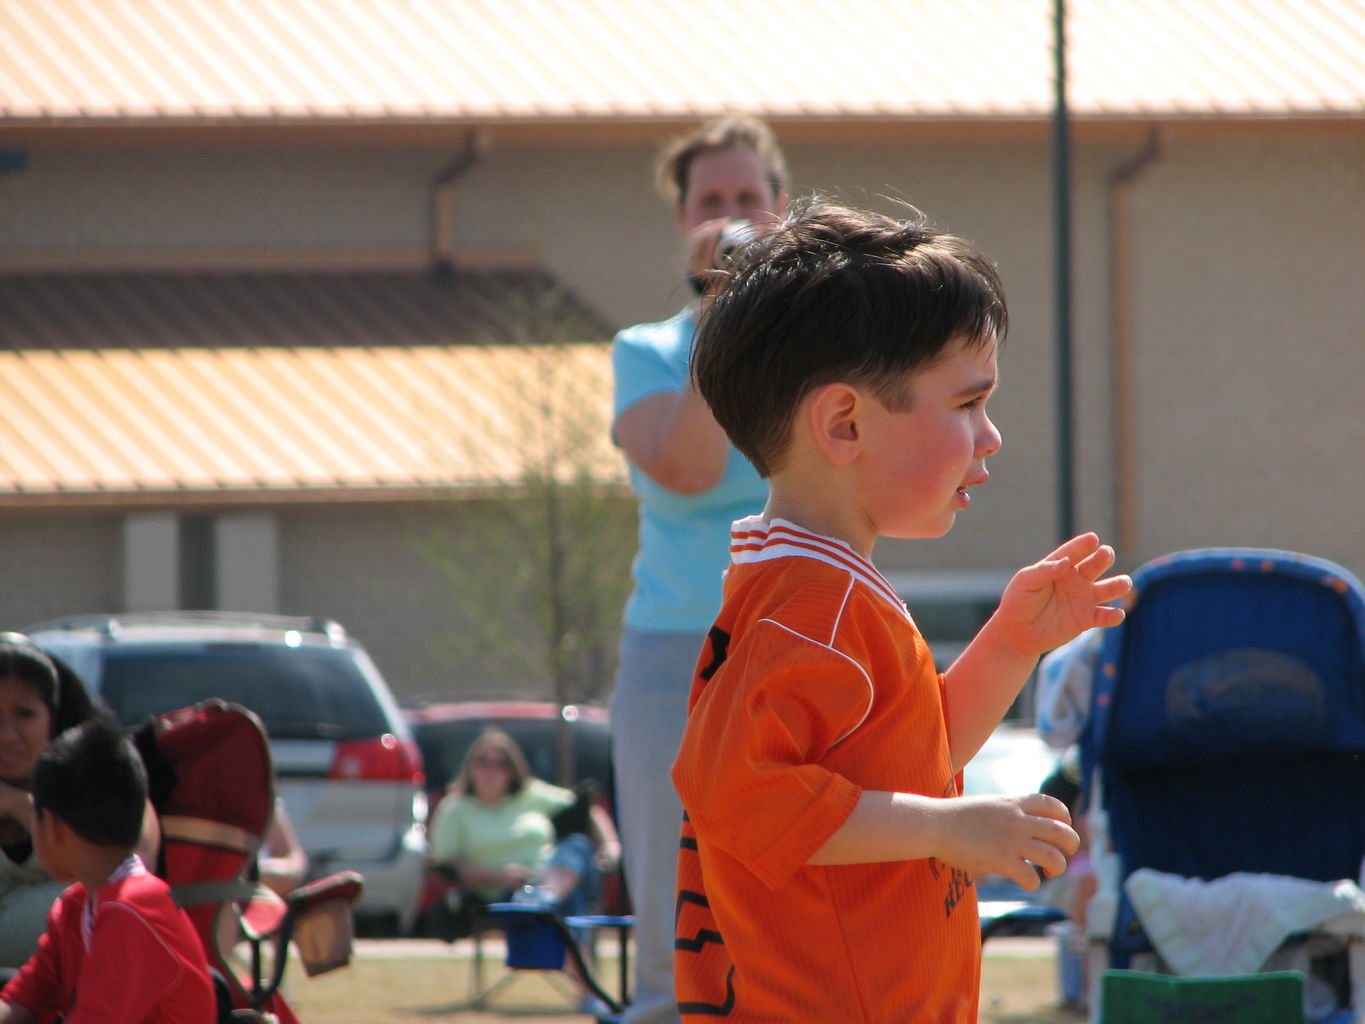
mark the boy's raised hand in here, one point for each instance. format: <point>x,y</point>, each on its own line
<point>1051,601</point>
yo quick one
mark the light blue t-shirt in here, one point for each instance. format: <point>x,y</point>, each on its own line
<point>684,538</point>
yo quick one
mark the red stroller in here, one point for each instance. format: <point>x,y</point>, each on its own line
<point>212,783</point>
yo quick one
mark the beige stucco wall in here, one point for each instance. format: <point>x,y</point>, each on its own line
<point>57,563</point>
<point>362,565</point>
<point>359,565</point>
<point>1251,278</point>
<point>1246,284</point>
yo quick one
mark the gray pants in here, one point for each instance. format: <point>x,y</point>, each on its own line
<point>648,712</point>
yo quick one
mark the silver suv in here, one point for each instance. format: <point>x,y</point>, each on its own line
<point>347,768</point>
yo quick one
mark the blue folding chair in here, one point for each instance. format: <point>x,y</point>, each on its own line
<point>541,939</point>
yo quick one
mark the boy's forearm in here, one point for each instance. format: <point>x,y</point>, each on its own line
<point>979,688</point>
<point>1005,835</point>
<point>882,827</point>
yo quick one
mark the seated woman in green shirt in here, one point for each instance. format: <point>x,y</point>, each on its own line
<point>494,832</point>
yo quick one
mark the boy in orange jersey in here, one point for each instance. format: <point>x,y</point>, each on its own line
<point>827,858</point>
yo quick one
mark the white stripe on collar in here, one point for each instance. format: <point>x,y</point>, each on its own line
<point>755,539</point>
<point>132,865</point>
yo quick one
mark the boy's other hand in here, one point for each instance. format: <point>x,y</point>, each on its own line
<point>1007,835</point>
<point>1053,600</point>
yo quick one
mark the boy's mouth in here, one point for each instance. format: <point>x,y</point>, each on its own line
<point>963,497</point>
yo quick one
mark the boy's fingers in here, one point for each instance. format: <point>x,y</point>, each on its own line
<point>1025,874</point>
<point>1096,564</point>
<point>1107,616</point>
<point>1077,548</point>
<point>1057,836</point>
<point>1040,805</point>
<point>1049,858</point>
<point>1114,586</point>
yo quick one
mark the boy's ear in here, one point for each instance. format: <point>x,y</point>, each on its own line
<point>832,413</point>
<point>44,820</point>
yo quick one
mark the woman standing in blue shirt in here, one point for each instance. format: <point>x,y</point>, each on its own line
<point>691,485</point>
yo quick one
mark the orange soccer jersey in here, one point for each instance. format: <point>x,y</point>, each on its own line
<point>814,685</point>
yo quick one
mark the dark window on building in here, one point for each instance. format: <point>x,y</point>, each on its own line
<point>198,581</point>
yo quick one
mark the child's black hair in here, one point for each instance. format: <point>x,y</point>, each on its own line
<point>92,779</point>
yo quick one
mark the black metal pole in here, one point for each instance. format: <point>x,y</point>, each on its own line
<point>1061,199</point>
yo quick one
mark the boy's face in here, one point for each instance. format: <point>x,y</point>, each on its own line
<point>917,465</point>
<point>49,847</point>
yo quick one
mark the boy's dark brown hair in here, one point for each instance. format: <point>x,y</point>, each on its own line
<point>835,294</point>
<point>738,132</point>
<point>92,778</point>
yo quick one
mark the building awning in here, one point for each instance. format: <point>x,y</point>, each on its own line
<point>525,61</point>
<point>258,400</point>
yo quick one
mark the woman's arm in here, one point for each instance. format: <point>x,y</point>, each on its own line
<point>149,844</point>
<point>471,875</point>
<point>16,814</point>
<point>284,863</point>
<point>674,439</point>
<point>602,832</point>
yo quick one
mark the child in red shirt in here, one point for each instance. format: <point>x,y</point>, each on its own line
<point>826,863</point>
<point>117,950</point>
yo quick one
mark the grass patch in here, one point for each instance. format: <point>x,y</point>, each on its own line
<point>408,983</point>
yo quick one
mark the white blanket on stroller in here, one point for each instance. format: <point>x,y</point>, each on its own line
<point>1232,924</point>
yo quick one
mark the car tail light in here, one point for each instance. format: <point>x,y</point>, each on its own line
<point>382,759</point>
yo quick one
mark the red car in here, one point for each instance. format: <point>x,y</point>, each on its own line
<point>444,732</point>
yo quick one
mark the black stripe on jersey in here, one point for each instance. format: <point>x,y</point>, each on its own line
<point>713,1009</point>
<point>703,935</point>
<point>720,645</point>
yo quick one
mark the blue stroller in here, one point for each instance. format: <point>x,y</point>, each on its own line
<point>1226,737</point>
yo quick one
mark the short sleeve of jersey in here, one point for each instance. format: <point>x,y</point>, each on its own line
<point>749,771</point>
<point>650,358</point>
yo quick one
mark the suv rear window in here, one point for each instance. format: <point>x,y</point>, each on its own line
<point>299,692</point>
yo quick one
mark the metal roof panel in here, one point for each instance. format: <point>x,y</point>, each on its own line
<point>565,59</point>
<point>257,384</point>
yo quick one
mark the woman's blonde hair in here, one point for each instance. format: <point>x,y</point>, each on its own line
<point>674,164</point>
<point>492,739</point>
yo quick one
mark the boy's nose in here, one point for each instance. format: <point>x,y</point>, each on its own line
<point>989,441</point>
